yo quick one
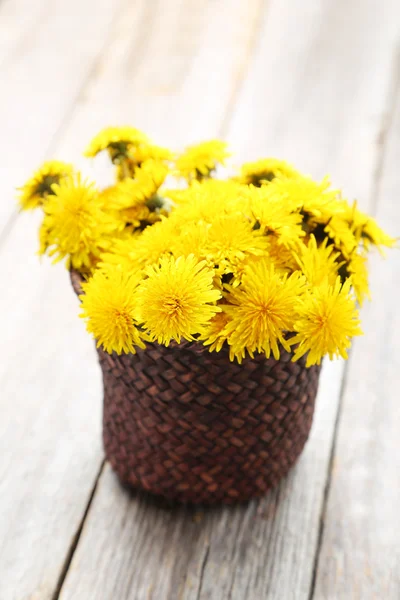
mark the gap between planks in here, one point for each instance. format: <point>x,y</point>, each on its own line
<point>242,68</point>
<point>327,484</point>
<point>76,537</point>
<point>387,122</point>
<point>383,144</point>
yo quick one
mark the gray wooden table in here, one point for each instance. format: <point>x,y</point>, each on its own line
<point>315,82</point>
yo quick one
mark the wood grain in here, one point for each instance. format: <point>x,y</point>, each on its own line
<point>360,555</point>
<point>50,404</point>
<point>47,50</point>
<point>16,23</point>
<point>316,94</point>
<point>175,79</point>
<point>41,75</point>
<point>307,96</point>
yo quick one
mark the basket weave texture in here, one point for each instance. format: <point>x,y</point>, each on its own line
<point>192,426</point>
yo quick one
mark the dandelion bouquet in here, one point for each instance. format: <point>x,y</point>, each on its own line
<point>260,260</point>
<point>213,296</point>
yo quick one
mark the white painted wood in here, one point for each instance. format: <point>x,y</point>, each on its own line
<point>176,79</point>
<point>50,430</point>
<point>360,556</point>
<point>308,96</point>
<point>18,19</point>
<point>325,69</point>
<point>40,78</point>
<point>47,50</point>
<point>50,406</point>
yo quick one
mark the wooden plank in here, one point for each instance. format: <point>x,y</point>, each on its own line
<point>43,72</point>
<point>175,80</point>
<point>318,108</point>
<point>307,97</point>
<point>51,401</point>
<point>47,51</point>
<point>360,553</point>
<point>16,22</point>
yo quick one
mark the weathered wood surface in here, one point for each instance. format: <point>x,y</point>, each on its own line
<point>131,549</point>
<point>360,553</point>
<point>49,445</point>
<point>309,81</point>
<point>51,398</point>
<point>42,70</point>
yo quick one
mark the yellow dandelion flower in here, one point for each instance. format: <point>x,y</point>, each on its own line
<point>136,215</point>
<point>176,300</point>
<point>143,215</point>
<point>146,152</point>
<point>230,239</point>
<point>274,216</point>
<point>328,319</point>
<point>44,239</point>
<point>131,192</point>
<point>223,240</point>
<point>366,229</point>
<point>214,334</point>
<point>356,269</point>
<point>222,190</point>
<point>262,309</point>
<point>109,308</point>
<point>105,196</point>
<point>202,209</point>
<point>77,226</point>
<point>309,197</point>
<point>239,268</point>
<point>265,170</point>
<point>206,200</point>
<point>115,198</point>
<point>117,140</point>
<point>157,214</point>
<point>106,199</point>
<point>142,249</point>
<point>283,257</point>
<point>192,239</point>
<point>318,262</point>
<point>154,243</point>
<point>140,154</point>
<point>197,162</point>
<point>339,231</point>
<point>119,251</point>
<point>125,169</point>
<point>374,234</point>
<point>40,185</point>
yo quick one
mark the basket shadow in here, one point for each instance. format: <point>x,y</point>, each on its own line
<point>158,503</point>
<point>179,550</point>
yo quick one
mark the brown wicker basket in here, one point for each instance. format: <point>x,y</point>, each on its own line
<point>193,426</point>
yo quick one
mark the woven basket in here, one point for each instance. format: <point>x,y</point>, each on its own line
<point>192,426</point>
